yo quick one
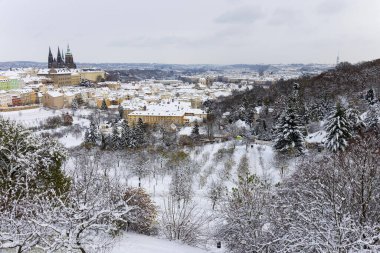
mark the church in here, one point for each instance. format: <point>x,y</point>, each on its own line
<point>62,61</point>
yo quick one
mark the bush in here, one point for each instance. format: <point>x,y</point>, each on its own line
<point>142,219</point>
<point>184,222</point>
<point>53,122</point>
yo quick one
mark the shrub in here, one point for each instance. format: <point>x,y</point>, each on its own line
<point>143,217</point>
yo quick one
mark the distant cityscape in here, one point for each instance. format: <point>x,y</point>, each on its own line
<point>143,91</point>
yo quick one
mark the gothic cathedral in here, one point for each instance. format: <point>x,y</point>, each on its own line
<point>62,61</point>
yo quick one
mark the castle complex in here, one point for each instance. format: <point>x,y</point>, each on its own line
<point>62,61</point>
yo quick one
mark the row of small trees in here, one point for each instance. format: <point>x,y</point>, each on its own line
<point>122,135</point>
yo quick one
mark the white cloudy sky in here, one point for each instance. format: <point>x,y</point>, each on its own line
<point>192,31</point>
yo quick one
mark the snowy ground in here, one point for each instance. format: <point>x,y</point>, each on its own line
<point>316,137</point>
<point>135,243</point>
<point>211,169</point>
<point>34,117</point>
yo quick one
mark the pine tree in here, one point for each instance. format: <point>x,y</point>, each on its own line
<point>115,139</point>
<point>74,104</point>
<point>248,111</point>
<point>339,129</point>
<point>372,119</point>
<point>371,96</point>
<point>125,134</point>
<point>121,111</point>
<point>289,131</point>
<point>139,133</point>
<point>92,134</point>
<point>29,164</point>
<point>132,140</point>
<point>104,106</point>
<point>195,130</point>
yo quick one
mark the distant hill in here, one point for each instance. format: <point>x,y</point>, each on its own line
<point>169,67</point>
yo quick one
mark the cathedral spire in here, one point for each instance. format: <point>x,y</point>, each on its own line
<point>50,58</point>
<point>59,59</point>
<point>68,49</point>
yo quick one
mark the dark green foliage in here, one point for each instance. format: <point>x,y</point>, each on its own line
<point>339,129</point>
<point>290,129</point>
<point>29,165</point>
<point>104,106</point>
<point>195,130</point>
<point>121,111</point>
<point>92,134</point>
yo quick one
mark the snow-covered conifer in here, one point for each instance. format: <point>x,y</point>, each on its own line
<point>121,111</point>
<point>115,139</point>
<point>74,104</point>
<point>339,129</point>
<point>125,133</point>
<point>195,129</point>
<point>289,131</point>
<point>372,118</point>
<point>139,133</point>
<point>104,106</point>
<point>92,134</point>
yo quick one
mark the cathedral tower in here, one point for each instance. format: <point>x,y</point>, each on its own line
<point>69,59</point>
<point>62,61</point>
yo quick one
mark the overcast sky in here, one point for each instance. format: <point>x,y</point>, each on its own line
<point>192,31</point>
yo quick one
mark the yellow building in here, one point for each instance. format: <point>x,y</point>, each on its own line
<point>61,77</point>
<point>152,117</point>
<point>75,79</point>
<point>94,75</point>
<point>53,99</point>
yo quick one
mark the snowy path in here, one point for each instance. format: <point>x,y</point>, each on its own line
<point>135,243</point>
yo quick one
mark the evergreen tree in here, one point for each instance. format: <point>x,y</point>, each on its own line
<point>115,138</point>
<point>195,130</point>
<point>92,134</point>
<point>125,133</point>
<point>139,133</point>
<point>247,111</point>
<point>29,165</point>
<point>74,104</point>
<point>79,99</point>
<point>289,131</point>
<point>339,129</point>
<point>372,119</point>
<point>371,96</point>
<point>121,111</point>
<point>132,140</point>
<point>104,106</point>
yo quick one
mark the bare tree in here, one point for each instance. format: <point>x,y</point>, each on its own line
<point>185,222</point>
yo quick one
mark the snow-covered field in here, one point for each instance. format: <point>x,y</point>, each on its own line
<point>34,117</point>
<point>212,169</point>
<point>135,243</point>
